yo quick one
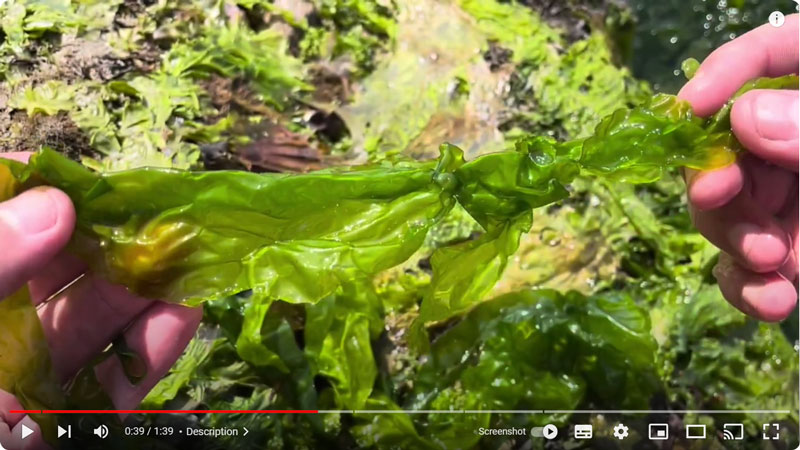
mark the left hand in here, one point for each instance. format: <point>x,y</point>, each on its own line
<point>80,322</point>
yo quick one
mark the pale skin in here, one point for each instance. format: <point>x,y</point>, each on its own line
<point>749,210</point>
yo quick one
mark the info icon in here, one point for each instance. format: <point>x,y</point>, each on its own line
<point>658,431</point>
<point>777,19</point>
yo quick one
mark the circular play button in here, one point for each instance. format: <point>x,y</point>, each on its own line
<point>550,431</point>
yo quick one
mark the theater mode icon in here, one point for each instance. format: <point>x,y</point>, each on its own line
<point>695,431</point>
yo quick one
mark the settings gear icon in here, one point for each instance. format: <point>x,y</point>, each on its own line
<point>620,431</point>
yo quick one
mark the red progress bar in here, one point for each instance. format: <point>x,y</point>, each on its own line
<point>168,411</point>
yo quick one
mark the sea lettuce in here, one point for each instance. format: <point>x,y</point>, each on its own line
<point>193,236</point>
<point>190,237</point>
<point>599,352</point>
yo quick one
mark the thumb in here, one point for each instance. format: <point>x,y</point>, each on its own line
<point>34,227</point>
<point>766,123</point>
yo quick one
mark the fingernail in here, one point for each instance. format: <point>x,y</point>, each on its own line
<point>31,212</point>
<point>776,115</point>
<point>771,300</point>
<point>762,250</point>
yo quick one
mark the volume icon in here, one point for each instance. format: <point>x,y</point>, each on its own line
<point>101,431</point>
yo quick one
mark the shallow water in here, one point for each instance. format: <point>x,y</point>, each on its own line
<point>670,31</point>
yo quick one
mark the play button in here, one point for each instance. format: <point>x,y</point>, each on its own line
<point>550,431</point>
<point>26,431</point>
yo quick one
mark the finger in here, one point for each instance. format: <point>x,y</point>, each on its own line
<point>743,230</point>
<point>769,186</point>
<point>768,297</point>
<point>7,403</point>
<point>63,269</point>
<point>80,323</point>
<point>5,436</point>
<point>764,52</point>
<point>158,336</point>
<point>766,123</point>
<point>22,157</point>
<point>789,218</point>
<point>34,227</point>
<point>11,435</point>
<point>712,189</point>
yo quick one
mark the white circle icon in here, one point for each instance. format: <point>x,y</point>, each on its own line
<point>550,431</point>
<point>777,19</point>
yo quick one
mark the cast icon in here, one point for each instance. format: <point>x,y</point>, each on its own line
<point>732,432</point>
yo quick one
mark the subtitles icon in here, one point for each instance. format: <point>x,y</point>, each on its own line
<point>695,431</point>
<point>583,431</point>
<point>658,431</point>
<point>732,432</point>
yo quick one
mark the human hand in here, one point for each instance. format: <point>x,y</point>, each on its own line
<point>750,209</point>
<point>81,321</point>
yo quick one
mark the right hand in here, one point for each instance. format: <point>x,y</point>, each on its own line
<point>750,209</point>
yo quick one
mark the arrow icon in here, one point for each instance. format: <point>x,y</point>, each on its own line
<point>245,428</point>
<point>26,431</point>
